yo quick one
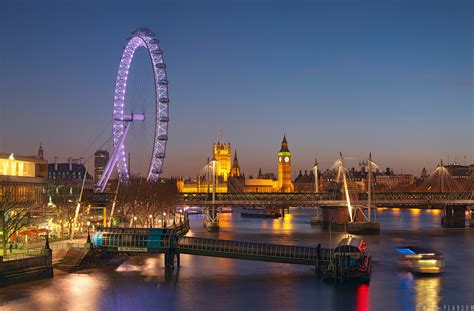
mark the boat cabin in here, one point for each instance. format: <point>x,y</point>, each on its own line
<point>351,246</point>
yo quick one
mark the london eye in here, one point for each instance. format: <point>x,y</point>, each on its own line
<point>125,114</point>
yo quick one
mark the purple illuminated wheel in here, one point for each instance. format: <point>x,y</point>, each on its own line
<point>142,37</point>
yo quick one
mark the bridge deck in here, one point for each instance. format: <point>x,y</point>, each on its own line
<point>327,199</point>
<point>252,251</point>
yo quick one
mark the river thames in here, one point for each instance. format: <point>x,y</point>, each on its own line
<point>205,283</point>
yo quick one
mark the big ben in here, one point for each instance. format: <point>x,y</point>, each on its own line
<point>284,168</point>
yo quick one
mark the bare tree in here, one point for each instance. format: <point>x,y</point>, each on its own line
<point>64,195</point>
<point>15,212</point>
<point>141,199</point>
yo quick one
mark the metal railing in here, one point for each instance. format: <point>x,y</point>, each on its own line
<point>65,245</point>
<point>308,198</point>
<point>252,249</point>
<point>31,252</point>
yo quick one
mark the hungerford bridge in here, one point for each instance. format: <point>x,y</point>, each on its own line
<point>312,199</point>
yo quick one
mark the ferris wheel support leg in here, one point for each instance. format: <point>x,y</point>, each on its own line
<point>113,159</point>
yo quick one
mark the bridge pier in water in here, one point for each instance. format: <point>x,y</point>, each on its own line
<point>284,210</point>
<point>171,257</point>
<point>211,220</point>
<point>471,220</point>
<point>455,216</point>
<point>338,218</point>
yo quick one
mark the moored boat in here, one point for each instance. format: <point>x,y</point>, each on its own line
<point>259,212</point>
<point>194,210</point>
<point>351,261</point>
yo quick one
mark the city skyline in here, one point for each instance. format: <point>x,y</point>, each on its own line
<point>236,155</point>
<point>351,162</point>
<point>295,70</point>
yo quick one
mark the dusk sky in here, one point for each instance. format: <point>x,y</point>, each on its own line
<point>391,77</point>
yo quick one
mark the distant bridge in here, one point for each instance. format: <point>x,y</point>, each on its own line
<point>311,199</point>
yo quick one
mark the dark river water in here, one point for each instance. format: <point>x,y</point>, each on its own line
<point>205,283</point>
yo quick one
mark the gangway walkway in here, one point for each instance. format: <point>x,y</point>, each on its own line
<point>253,251</point>
<point>172,243</point>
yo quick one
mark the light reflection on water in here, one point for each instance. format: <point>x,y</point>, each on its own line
<point>425,290</point>
<point>224,284</point>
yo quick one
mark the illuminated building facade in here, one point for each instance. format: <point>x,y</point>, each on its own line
<point>284,168</point>
<point>304,182</point>
<point>235,169</point>
<point>236,180</point>
<point>260,185</point>
<point>198,184</point>
<point>23,179</point>
<point>222,153</point>
<point>231,178</point>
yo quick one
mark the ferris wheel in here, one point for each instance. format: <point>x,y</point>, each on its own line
<point>121,121</point>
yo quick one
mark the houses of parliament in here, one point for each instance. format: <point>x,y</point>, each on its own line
<point>231,179</point>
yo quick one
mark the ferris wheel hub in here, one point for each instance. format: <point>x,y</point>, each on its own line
<point>131,117</point>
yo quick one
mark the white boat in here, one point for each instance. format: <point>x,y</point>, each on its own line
<point>420,260</point>
<point>194,210</point>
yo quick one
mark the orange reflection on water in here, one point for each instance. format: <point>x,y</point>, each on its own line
<point>415,211</point>
<point>80,286</point>
<point>396,211</point>
<point>415,216</point>
<point>225,220</point>
<point>283,223</point>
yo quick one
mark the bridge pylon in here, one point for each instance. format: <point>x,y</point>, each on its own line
<point>454,216</point>
<point>211,219</point>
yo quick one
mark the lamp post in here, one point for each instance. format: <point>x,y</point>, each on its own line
<point>134,221</point>
<point>164,219</point>
<point>151,220</point>
<point>88,232</point>
<point>46,245</point>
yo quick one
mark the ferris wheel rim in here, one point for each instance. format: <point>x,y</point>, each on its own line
<point>142,37</point>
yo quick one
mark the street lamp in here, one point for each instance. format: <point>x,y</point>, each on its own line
<point>46,245</point>
<point>134,221</point>
<point>164,219</point>
<point>88,232</point>
<point>151,220</point>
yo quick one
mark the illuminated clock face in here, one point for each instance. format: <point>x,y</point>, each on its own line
<point>287,159</point>
<point>279,159</point>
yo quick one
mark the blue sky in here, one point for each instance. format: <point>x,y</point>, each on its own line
<point>391,77</point>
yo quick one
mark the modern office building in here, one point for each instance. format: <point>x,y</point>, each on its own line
<point>23,179</point>
<point>101,157</point>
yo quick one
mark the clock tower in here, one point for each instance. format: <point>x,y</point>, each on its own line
<point>284,168</point>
